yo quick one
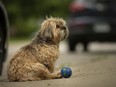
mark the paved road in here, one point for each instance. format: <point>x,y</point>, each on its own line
<point>97,68</point>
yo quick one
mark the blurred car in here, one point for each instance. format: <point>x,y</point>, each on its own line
<point>3,35</point>
<point>91,20</point>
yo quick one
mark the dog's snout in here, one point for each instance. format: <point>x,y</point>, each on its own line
<point>63,27</point>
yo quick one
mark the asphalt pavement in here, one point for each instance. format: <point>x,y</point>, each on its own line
<point>96,68</point>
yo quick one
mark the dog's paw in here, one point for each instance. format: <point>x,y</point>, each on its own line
<point>57,75</point>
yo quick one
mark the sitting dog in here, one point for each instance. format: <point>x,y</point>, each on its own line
<point>35,61</point>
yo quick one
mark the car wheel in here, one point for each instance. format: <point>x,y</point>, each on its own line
<point>1,51</point>
<point>3,36</point>
<point>85,46</point>
<point>72,46</point>
<point>3,47</point>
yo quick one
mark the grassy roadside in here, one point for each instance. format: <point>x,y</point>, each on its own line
<point>19,40</point>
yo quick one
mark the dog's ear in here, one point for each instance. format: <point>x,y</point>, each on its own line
<point>46,33</point>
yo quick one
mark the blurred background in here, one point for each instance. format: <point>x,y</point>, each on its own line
<point>26,16</point>
<point>92,33</point>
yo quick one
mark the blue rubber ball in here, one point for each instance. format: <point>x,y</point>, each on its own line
<point>66,72</point>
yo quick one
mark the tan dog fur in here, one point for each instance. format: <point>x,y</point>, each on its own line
<point>35,61</point>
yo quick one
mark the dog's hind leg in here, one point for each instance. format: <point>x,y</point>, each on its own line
<point>38,71</point>
<point>44,73</point>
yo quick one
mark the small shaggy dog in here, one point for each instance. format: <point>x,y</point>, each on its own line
<point>35,61</point>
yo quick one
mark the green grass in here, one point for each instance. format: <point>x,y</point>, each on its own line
<point>19,40</point>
